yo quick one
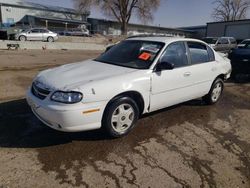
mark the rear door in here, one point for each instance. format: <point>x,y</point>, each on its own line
<point>44,34</point>
<point>204,68</point>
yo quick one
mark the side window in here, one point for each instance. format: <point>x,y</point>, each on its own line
<point>176,54</point>
<point>233,41</point>
<point>211,56</point>
<point>43,31</point>
<point>247,45</point>
<point>198,53</point>
<point>35,31</point>
<point>223,41</point>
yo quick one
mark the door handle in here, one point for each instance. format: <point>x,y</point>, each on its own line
<point>187,74</point>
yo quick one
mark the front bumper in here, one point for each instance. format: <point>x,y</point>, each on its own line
<point>66,117</point>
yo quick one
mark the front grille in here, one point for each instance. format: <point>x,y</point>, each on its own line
<point>39,92</point>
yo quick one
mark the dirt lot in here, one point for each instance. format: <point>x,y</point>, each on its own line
<point>189,145</point>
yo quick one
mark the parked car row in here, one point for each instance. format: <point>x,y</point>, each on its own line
<point>239,54</point>
<point>221,44</point>
<point>42,34</point>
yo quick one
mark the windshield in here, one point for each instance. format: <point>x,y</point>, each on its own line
<point>136,54</point>
<point>210,40</point>
<point>245,42</point>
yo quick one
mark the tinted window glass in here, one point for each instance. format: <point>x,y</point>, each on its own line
<point>198,52</point>
<point>211,56</point>
<point>233,41</point>
<point>137,54</point>
<point>210,40</point>
<point>44,31</point>
<point>176,54</point>
<point>247,46</point>
<point>35,31</point>
<point>245,42</point>
<point>223,41</point>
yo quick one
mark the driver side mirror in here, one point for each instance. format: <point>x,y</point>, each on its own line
<point>163,65</point>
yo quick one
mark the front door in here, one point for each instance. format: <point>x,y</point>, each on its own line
<point>171,87</point>
<point>34,34</point>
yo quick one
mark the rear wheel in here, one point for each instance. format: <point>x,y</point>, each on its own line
<point>22,38</point>
<point>120,117</point>
<point>215,92</point>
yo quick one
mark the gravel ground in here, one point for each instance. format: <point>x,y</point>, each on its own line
<point>188,145</point>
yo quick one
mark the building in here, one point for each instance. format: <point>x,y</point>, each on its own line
<point>199,32</point>
<point>109,27</point>
<point>238,29</point>
<point>25,14</point>
<point>30,14</point>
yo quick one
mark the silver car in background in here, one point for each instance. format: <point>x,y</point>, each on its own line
<point>221,44</point>
<point>37,34</point>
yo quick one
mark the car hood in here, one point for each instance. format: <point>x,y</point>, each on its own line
<point>74,75</point>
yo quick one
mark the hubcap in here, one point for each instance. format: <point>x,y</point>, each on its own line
<point>216,92</point>
<point>122,118</point>
<point>22,38</point>
<point>50,39</point>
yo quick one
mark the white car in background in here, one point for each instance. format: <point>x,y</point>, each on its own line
<point>134,77</point>
<point>37,34</point>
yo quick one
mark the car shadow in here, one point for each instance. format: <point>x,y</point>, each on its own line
<point>19,128</point>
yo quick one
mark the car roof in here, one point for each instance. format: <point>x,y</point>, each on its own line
<point>38,28</point>
<point>165,39</point>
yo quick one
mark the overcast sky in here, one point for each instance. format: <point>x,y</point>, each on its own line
<point>171,13</point>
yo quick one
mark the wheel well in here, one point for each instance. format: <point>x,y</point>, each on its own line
<point>136,96</point>
<point>50,37</point>
<point>222,76</point>
<point>22,36</point>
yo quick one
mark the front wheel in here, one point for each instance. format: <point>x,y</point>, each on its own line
<point>50,39</point>
<point>22,38</point>
<point>215,92</point>
<point>120,117</point>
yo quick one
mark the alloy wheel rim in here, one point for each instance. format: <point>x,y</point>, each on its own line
<point>122,118</point>
<point>216,92</point>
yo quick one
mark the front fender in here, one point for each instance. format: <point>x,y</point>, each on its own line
<point>105,90</point>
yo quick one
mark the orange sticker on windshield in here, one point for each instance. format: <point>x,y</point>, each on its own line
<point>145,56</point>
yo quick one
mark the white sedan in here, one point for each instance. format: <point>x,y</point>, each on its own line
<point>137,76</point>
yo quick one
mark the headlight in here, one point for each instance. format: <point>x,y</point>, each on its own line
<point>67,97</point>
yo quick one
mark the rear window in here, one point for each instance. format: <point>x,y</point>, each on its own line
<point>223,41</point>
<point>233,41</point>
<point>210,40</point>
<point>245,42</point>
<point>198,53</point>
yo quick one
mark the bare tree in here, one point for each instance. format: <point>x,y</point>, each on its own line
<point>122,10</point>
<point>230,10</point>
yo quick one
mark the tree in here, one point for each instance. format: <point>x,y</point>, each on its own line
<point>122,10</point>
<point>230,10</point>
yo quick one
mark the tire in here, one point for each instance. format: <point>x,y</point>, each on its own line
<point>50,39</point>
<point>22,38</point>
<point>215,92</point>
<point>120,117</point>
